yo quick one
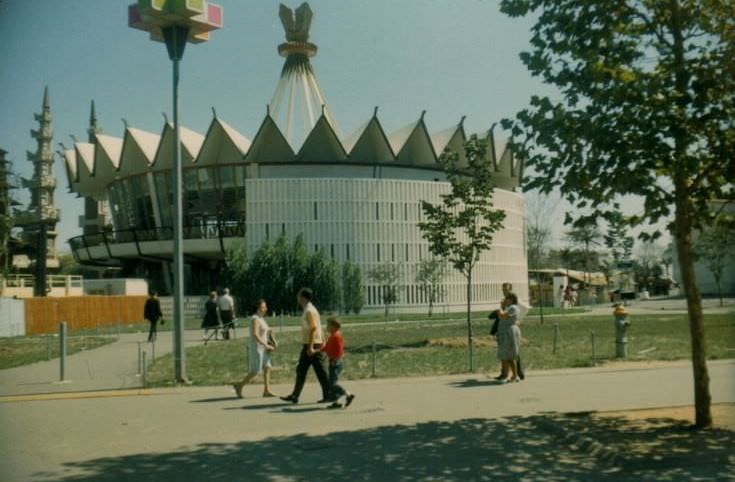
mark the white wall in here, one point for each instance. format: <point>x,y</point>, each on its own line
<point>373,221</point>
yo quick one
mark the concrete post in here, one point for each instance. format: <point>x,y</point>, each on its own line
<point>621,328</point>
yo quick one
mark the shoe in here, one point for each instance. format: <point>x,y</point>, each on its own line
<point>349,400</point>
<point>335,405</point>
<point>238,389</point>
<point>325,400</point>
<point>500,377</point>
<point>291,399</point>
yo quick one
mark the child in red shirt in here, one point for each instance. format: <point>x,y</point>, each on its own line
<point>334,348</point>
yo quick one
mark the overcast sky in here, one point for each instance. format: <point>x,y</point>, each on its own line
<point>448,57</point>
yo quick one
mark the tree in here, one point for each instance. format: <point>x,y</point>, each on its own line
<point>646,108</point>
<point>617,239</point>
<point>430,277</point>
<point>714,248</point>
<point>353,296</point>
<point>461,227</point>
<point>585,234</point>
<point>387,276</point>
<point>322,276</point>
<point>540,211</point>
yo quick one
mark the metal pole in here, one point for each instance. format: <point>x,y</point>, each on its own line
<point>153,350</point>
<point>556,337</point>
<point>373,371</point>
<point>62,350</point>
<point>143,375</point>
<point>178,233</point>
<point>140,358</point>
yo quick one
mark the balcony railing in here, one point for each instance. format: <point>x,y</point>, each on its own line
<point>210,229</point>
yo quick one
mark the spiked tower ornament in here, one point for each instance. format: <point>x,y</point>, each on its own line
<point>298,84</point>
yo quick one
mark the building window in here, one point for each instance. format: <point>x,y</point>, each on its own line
<point>331,250</point>
<point>378,246</point>
<point>405,212</point>
<point>391,211</point>
<point>377,211</point>
<point>316,248</point>
<point>283,229</point>
<point>316,212</point>
<point>393,253</point>
<point>406,251</point>
<point>267,232</point>
<point>348,251</point>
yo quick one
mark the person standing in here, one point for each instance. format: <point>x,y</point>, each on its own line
<point>226,312</point>
<point>311,356</point>
<point>152,313</point>
<point>522,310</point>
<point>211,319</point>
<point>334,348</point>
<point>260,351</point>
<point>509,338</point>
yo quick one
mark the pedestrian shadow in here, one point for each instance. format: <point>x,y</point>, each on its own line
<point>257,407</point>
<point>217,399</point>
<point>550,446</point>
<point>475,383</point>
<point>302,409</point>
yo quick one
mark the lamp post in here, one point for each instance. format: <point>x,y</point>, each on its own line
<point>176,22</point>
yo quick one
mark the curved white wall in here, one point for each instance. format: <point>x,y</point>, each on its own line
<point>373,221</point>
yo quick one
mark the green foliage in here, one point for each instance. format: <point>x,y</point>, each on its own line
<point>647,100</point>
<point>277,271</point>
<point>353,296</point>
<point>645,108</point>
<point>617,239</point>
<point>462,225</point>
<point>430,277</point>
<point>388,276</point>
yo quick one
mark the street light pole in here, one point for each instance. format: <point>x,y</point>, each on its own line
<point>176,23</point>
<point>175,37</point>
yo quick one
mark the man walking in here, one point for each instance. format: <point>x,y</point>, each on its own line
<point>311,355</point>
<point>152,313</point>
<point>226,312</point>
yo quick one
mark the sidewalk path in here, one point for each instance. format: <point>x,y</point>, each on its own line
<point>397,429</point>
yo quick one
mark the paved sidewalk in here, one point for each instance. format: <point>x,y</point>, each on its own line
<point>112,366</point>
<point>397,429</point>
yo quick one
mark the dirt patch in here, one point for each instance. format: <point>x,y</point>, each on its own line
<point>461,342</point>
<point>723,415</point>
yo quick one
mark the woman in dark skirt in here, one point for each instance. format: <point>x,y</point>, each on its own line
<point>211,319</point>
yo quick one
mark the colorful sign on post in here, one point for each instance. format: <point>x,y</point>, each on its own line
<point>200,16</point>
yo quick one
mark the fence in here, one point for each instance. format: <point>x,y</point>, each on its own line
<point>43,315</point>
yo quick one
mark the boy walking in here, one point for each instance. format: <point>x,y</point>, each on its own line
<point>334,348</point>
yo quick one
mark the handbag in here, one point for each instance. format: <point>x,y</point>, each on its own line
<point>272,340</point>
<point>494,328</point>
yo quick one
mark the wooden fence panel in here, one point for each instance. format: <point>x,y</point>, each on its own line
<point>81,312</point>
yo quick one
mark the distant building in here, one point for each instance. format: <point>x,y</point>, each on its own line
<point>358,198</point>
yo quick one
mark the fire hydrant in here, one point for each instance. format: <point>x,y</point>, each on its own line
<point>621,327</point>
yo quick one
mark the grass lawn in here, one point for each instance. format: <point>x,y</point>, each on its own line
<point>425,349</point>
<point>19,351</point>
<point>195,323</point>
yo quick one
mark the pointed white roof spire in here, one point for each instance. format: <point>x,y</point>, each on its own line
<point>298,86</point>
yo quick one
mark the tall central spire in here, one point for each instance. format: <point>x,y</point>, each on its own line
<point>298,86</point>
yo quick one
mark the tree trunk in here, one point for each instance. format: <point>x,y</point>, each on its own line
<point>469,319</point>
<point>431,305</point>
<point>683,237</point>
<point>719,290</point>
